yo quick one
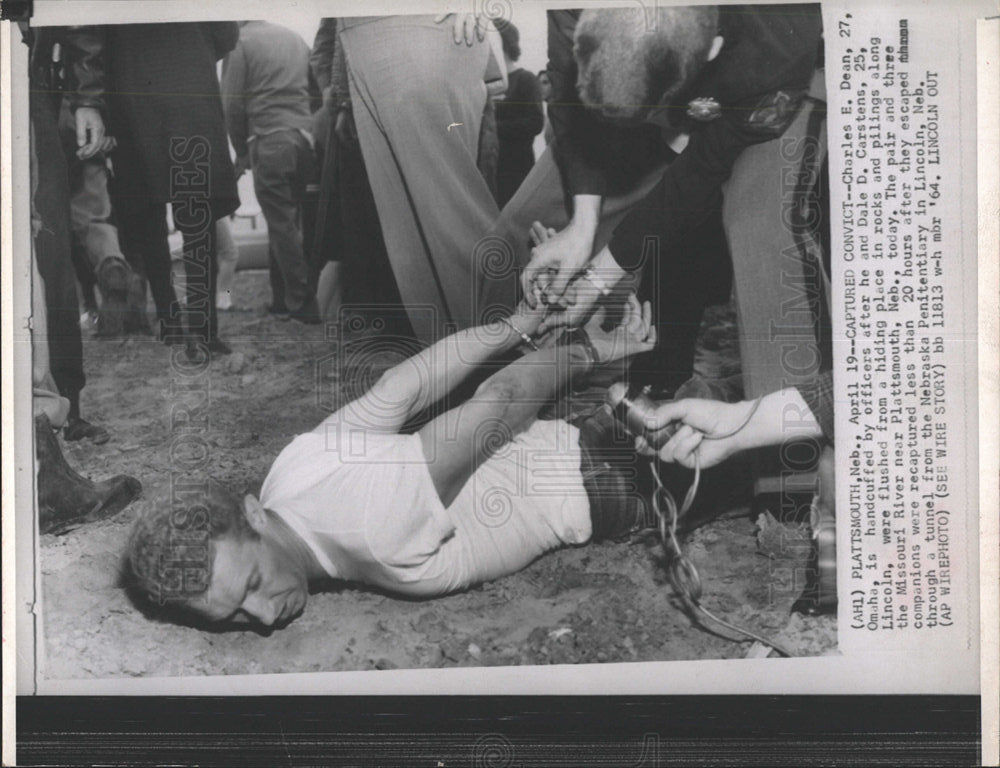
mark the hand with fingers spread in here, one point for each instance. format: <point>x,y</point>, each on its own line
<point>467,27</point>
<point>535,290</point>
<point>635,333</point>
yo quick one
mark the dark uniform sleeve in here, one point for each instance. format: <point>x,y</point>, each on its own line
<point>679,201</point>
<point>84,62</point>
<point>818,394</point>
<point>323,51</point>
<point>224,36</point>
<point>594,157</point>
<point>340,84</point>
<point>233,87</point>
<point>766,71</point>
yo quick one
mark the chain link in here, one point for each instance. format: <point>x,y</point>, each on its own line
<point>683,574</point>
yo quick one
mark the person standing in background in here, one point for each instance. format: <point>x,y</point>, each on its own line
<point>166,115</point>
<point>418,100</point>
<point>84,86</point>
<point>97,256</point>
<point>519,118</point>
<point>64,498</point>
<point>546,85</point>
<point>349,259</point>
<point>265,86</point>
<point>229,256</point>
<point>321,57</point>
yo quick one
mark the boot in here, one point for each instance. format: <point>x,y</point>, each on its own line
<point>308,313</point>
<point>80,429</point>
<point>136,320</point>
<point>65,499</point>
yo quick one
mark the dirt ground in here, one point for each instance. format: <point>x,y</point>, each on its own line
<point>598,603</point>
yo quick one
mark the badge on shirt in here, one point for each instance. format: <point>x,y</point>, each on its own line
<point>773,113</point>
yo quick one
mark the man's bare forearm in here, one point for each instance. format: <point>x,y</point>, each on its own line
<point>504,405</point>
<point>421,380</point>
<point>523,387</point>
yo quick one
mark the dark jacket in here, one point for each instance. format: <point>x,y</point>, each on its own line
<point>166,111</point>
<point>759,79</point>
<point>767,52</point>
<point>68,60</point>
<point>519,119</point>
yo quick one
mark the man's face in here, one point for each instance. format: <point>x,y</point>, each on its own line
<point>545,85</point>
<point>252,582</point>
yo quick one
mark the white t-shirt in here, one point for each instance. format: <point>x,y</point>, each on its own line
<point>367,507</point>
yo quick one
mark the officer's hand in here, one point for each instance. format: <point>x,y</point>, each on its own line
<point>555,260</point>
<point>108,143</point>
<point>578,303</point>
<point>89,132</point>
<point>696,418</point>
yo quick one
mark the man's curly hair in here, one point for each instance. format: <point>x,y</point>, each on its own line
<point>172,548</point>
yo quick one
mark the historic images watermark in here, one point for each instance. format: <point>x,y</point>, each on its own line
<point>797,333</point>
<point>187,562</point>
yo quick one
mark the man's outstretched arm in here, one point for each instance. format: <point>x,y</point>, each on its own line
<point>458,441</point>
<point>421,380</point>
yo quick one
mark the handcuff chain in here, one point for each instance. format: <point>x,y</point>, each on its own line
<point>684,576</point>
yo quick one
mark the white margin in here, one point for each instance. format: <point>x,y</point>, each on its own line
<point>988,109</point>
<point>793,673</point>
<point>7,402</point>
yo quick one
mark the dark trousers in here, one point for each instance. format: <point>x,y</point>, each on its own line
<point>348,231</point>
<point>201,269</point>
<point>681,278</point>
<point>52,252</point>
<point>282,164</point>
<point>143,233</point>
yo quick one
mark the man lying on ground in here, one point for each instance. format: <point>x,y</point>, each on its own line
<point>477,493</point>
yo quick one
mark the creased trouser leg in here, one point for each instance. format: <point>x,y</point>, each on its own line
<point>418,103</point>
